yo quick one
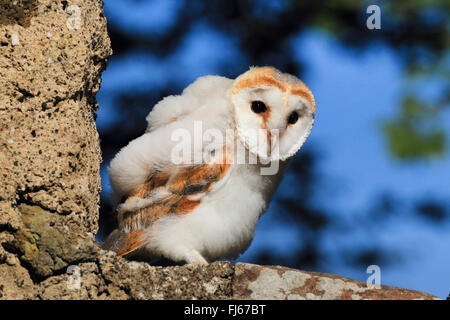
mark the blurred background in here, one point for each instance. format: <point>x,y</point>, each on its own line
<point>372,183</point>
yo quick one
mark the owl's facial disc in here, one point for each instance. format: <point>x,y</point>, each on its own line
<point>272,124</point>
<point>274,112</point>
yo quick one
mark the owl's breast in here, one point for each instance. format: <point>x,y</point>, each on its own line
<point>224,223</point>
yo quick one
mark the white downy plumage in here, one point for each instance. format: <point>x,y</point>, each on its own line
<point>223,221</point>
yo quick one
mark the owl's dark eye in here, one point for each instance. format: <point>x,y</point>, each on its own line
<point>293,118</point>
<point>258,107</point>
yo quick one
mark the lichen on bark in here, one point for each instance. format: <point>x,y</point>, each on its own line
<point>47,247</point>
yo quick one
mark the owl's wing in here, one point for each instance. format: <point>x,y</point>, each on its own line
<point>173,125</point>
<point>176,192</point>
<point>123,242</point>
<point>145,174</point>
<point>173,108</point>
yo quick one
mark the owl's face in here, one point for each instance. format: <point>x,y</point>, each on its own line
<point>274,112</point>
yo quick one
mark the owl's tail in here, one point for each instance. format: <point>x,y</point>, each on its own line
<point>124,243</point>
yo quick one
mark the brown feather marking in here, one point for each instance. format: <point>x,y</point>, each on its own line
<point>307,95</point>
<point>206,174</point>
<point>258,77</point>
<point>158,179</point>
<point>185,206</point>
<point>265,116</point>
<point>177,202</point>
<point>126,243</point>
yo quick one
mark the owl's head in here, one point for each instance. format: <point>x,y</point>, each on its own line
<point>274,112</point>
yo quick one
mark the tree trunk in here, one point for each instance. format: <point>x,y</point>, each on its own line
<point>52,54</point>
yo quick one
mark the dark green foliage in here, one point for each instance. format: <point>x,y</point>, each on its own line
<point>416,133</point>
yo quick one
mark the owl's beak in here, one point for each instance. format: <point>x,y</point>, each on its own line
<point>272,141</point>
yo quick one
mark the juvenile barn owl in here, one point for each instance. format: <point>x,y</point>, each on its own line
<point>198,211</point>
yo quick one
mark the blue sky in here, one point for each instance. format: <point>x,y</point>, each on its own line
<point>354,93</point>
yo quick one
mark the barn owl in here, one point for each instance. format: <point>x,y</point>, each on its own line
<point>199,211</point>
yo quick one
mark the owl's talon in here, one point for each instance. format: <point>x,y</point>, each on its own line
<point>195,258</point>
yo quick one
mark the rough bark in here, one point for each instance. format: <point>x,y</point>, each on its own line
<point>49,148</point>
<point>50,183</point>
